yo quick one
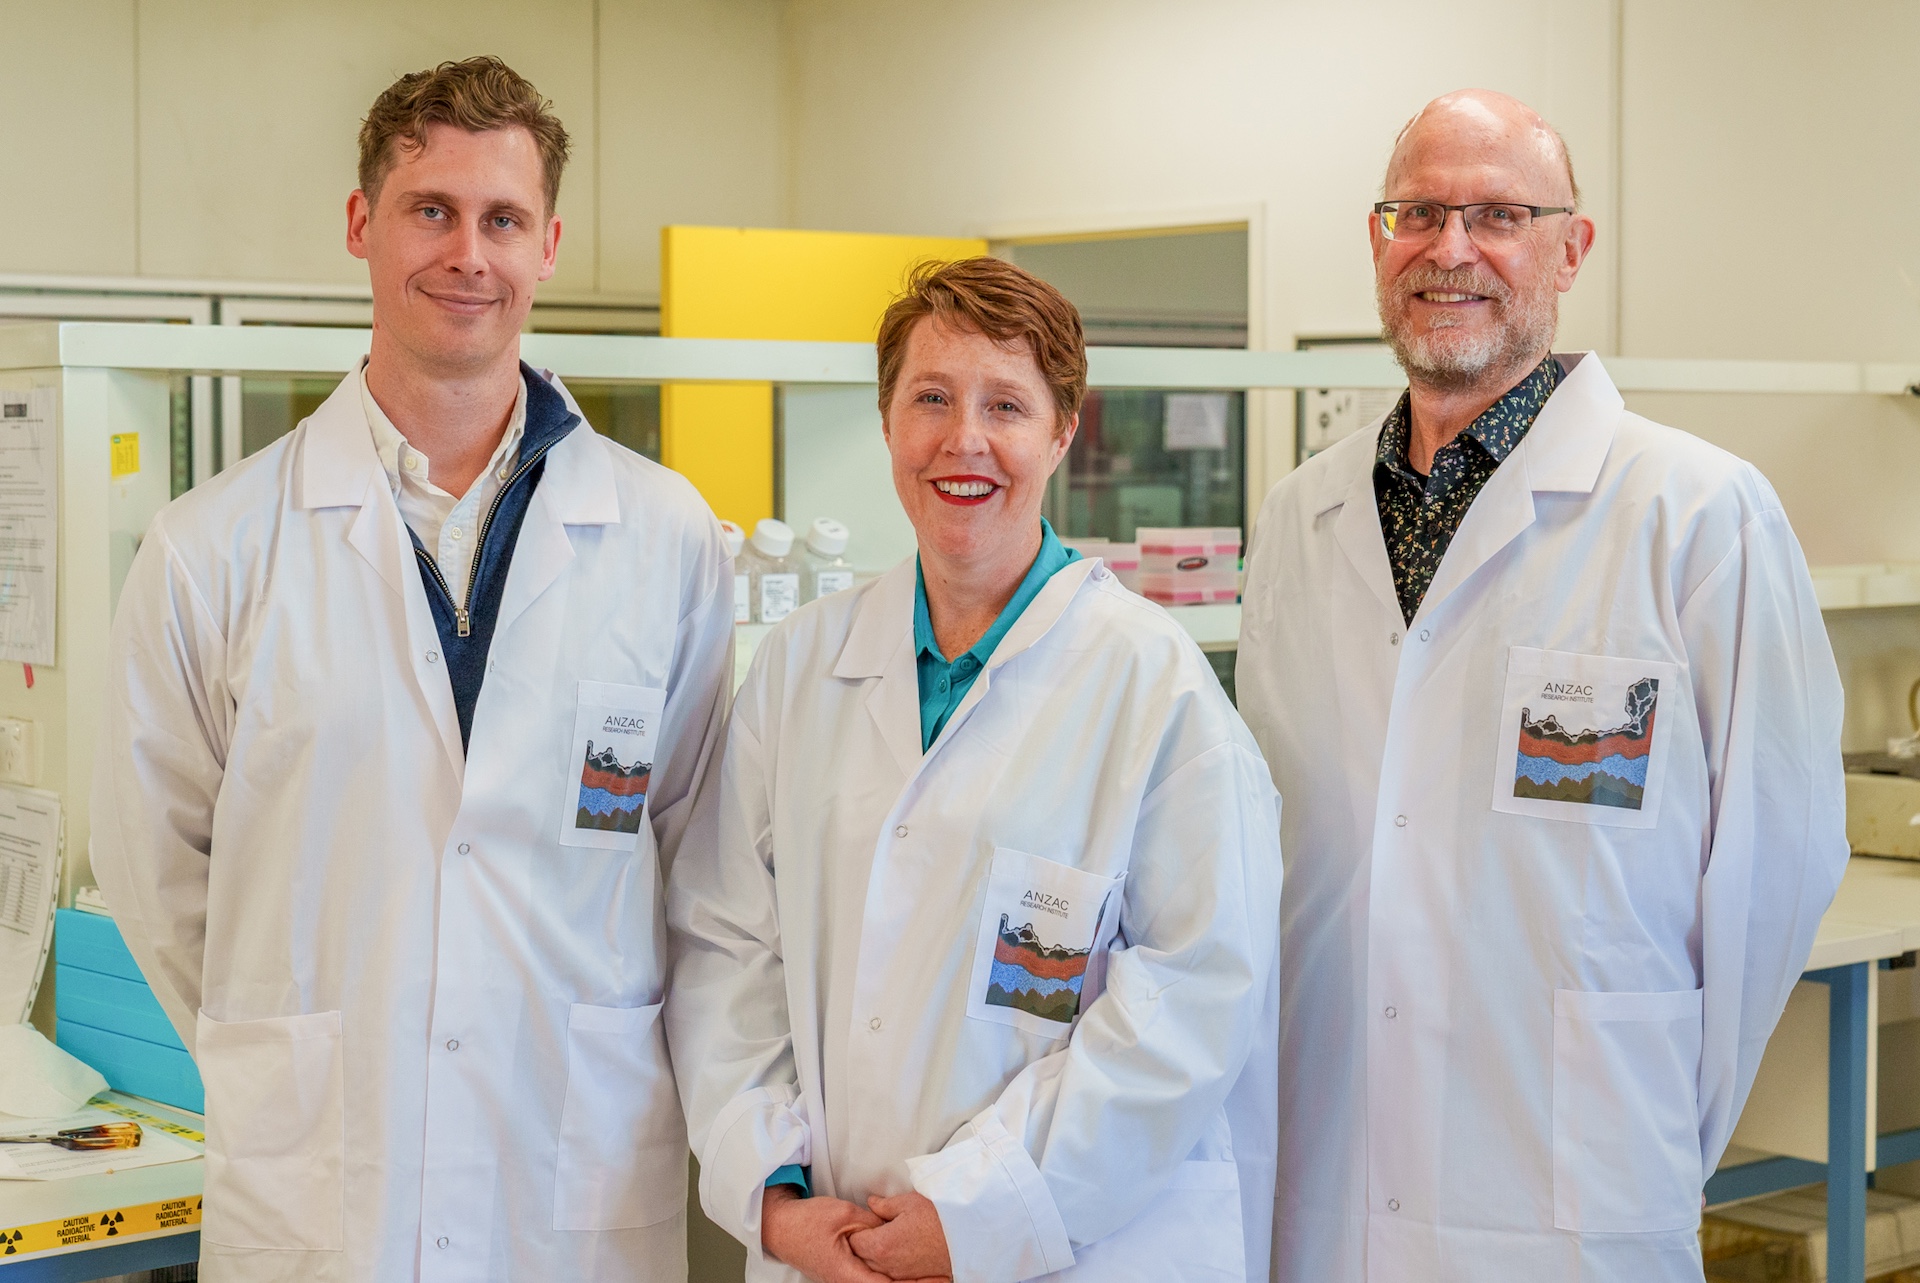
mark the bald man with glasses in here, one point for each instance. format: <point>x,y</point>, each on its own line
<point>1546,690</point>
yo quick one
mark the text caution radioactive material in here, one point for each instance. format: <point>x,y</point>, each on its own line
<point>172,1216</point>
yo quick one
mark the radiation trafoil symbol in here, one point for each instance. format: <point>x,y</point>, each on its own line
<point>10,1240</point>
<point>111,1222</point>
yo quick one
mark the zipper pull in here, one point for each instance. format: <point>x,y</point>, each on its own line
<point>462,622</point>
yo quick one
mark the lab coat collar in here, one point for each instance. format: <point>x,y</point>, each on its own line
<point>880,644</point>
<point>339,458</point>
<point>883,621</point>
<point>1562,452</point>
<point>1568,442</point>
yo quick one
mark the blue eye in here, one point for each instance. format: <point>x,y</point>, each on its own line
<point>503,222</point>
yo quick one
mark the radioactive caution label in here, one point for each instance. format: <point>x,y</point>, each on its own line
<point>171,1216</point>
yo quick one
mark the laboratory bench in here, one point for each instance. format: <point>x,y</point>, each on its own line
<point>1815,1113</point>
<point>97,1227</point>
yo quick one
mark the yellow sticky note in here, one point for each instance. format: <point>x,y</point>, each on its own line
<point>126,454</point>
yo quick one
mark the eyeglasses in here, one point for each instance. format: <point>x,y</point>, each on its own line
<point>1488,223</point>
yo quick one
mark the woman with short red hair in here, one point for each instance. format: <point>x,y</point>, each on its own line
<point>974,976</point>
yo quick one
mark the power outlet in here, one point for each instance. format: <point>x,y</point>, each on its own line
<point>19,751</point>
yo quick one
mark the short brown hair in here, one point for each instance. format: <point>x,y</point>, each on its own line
<point>992,297</point>
<point>477,95</point>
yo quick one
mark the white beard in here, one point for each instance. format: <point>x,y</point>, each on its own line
<point>1438,357</point>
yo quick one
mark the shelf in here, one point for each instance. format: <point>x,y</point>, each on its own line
<point>1867,587</point>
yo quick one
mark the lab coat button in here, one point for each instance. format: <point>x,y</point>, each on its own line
<point>1399,821</point>
<point>466,848</point>
<point>1391,1013</point>
<point>1393,639</point>
<point>874,1024</point>
<point>1426,634</point>
<point>433,657</point>
<point>899,830</point>
<point>443,1241</point>
<point>1393,1205</point>
<point>453,1044</point>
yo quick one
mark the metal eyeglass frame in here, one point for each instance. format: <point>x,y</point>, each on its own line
<point>1466,220</point>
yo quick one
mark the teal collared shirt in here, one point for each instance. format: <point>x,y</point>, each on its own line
<point>944,683</point>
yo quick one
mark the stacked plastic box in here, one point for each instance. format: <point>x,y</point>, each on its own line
<point>1189,565</point>
<point>108,1017</point>
<point>1123,559</point>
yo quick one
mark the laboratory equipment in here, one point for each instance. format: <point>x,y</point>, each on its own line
<point>824,566</point>
<point>735,539</point>
<point>773,571</point>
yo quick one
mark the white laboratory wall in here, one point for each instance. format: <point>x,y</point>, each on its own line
<point>217,138</point>
<point>1003,117</point>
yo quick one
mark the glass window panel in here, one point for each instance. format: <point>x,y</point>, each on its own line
<point>627,412</point>
<point>272,407</point>
<point>1120,474</point>
<point>179,435</point>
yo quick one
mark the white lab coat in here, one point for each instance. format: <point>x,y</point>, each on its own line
<point>1519,1030</point>
<point>832,953</point>
<point>428,1028</point>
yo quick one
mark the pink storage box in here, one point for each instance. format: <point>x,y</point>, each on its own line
<point>1210,551</point>
<point>1187,590</point>
<point>1188,541</point>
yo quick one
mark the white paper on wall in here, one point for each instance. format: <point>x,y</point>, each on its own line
<point>1196,421</point>
<point>29,525</point>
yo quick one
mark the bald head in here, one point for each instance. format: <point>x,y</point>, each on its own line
<point>1490,130</point>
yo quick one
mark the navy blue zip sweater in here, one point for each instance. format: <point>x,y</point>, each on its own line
<point>548,421</point>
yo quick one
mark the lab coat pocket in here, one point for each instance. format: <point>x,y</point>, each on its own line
<point>1585,737</point>
<point>1041,925</point>
<point>276,1132</point>
<point>1626,1112</point>
<point>623,1145</point>
<point>603,795</point>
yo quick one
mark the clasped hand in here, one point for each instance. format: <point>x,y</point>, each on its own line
<point>891,1240</point>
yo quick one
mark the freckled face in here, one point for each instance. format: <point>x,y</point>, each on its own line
<point>972,430</point>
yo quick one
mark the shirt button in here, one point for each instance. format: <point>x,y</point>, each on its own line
<point>874,1023</point>
<point>1391,1013</point>
<point>899,830</point>
<point>466,848</point>
<point>443,1241</point>
<point>455,533</point>
<point>502,474</point>
<point>413,464</point>
<point>1399,821</point>
<point>1393,639</point>
<point>1426,634</point>
<point>1393,1205</point>
<point>453,1044</point>
<point>943,683</point>
<point>433,657</point>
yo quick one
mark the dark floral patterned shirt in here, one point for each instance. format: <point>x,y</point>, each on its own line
<point>1420,515</point>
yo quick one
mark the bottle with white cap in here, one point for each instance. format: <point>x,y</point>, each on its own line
<point>823,568</point>
<point>773,572</point>
<point>735,539</point>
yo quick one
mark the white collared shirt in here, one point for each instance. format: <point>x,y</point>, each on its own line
<point>448,527</point>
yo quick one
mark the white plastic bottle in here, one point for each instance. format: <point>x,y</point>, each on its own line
<point>823,569</point>
<point>773,572</point>
<point>735,539</point>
